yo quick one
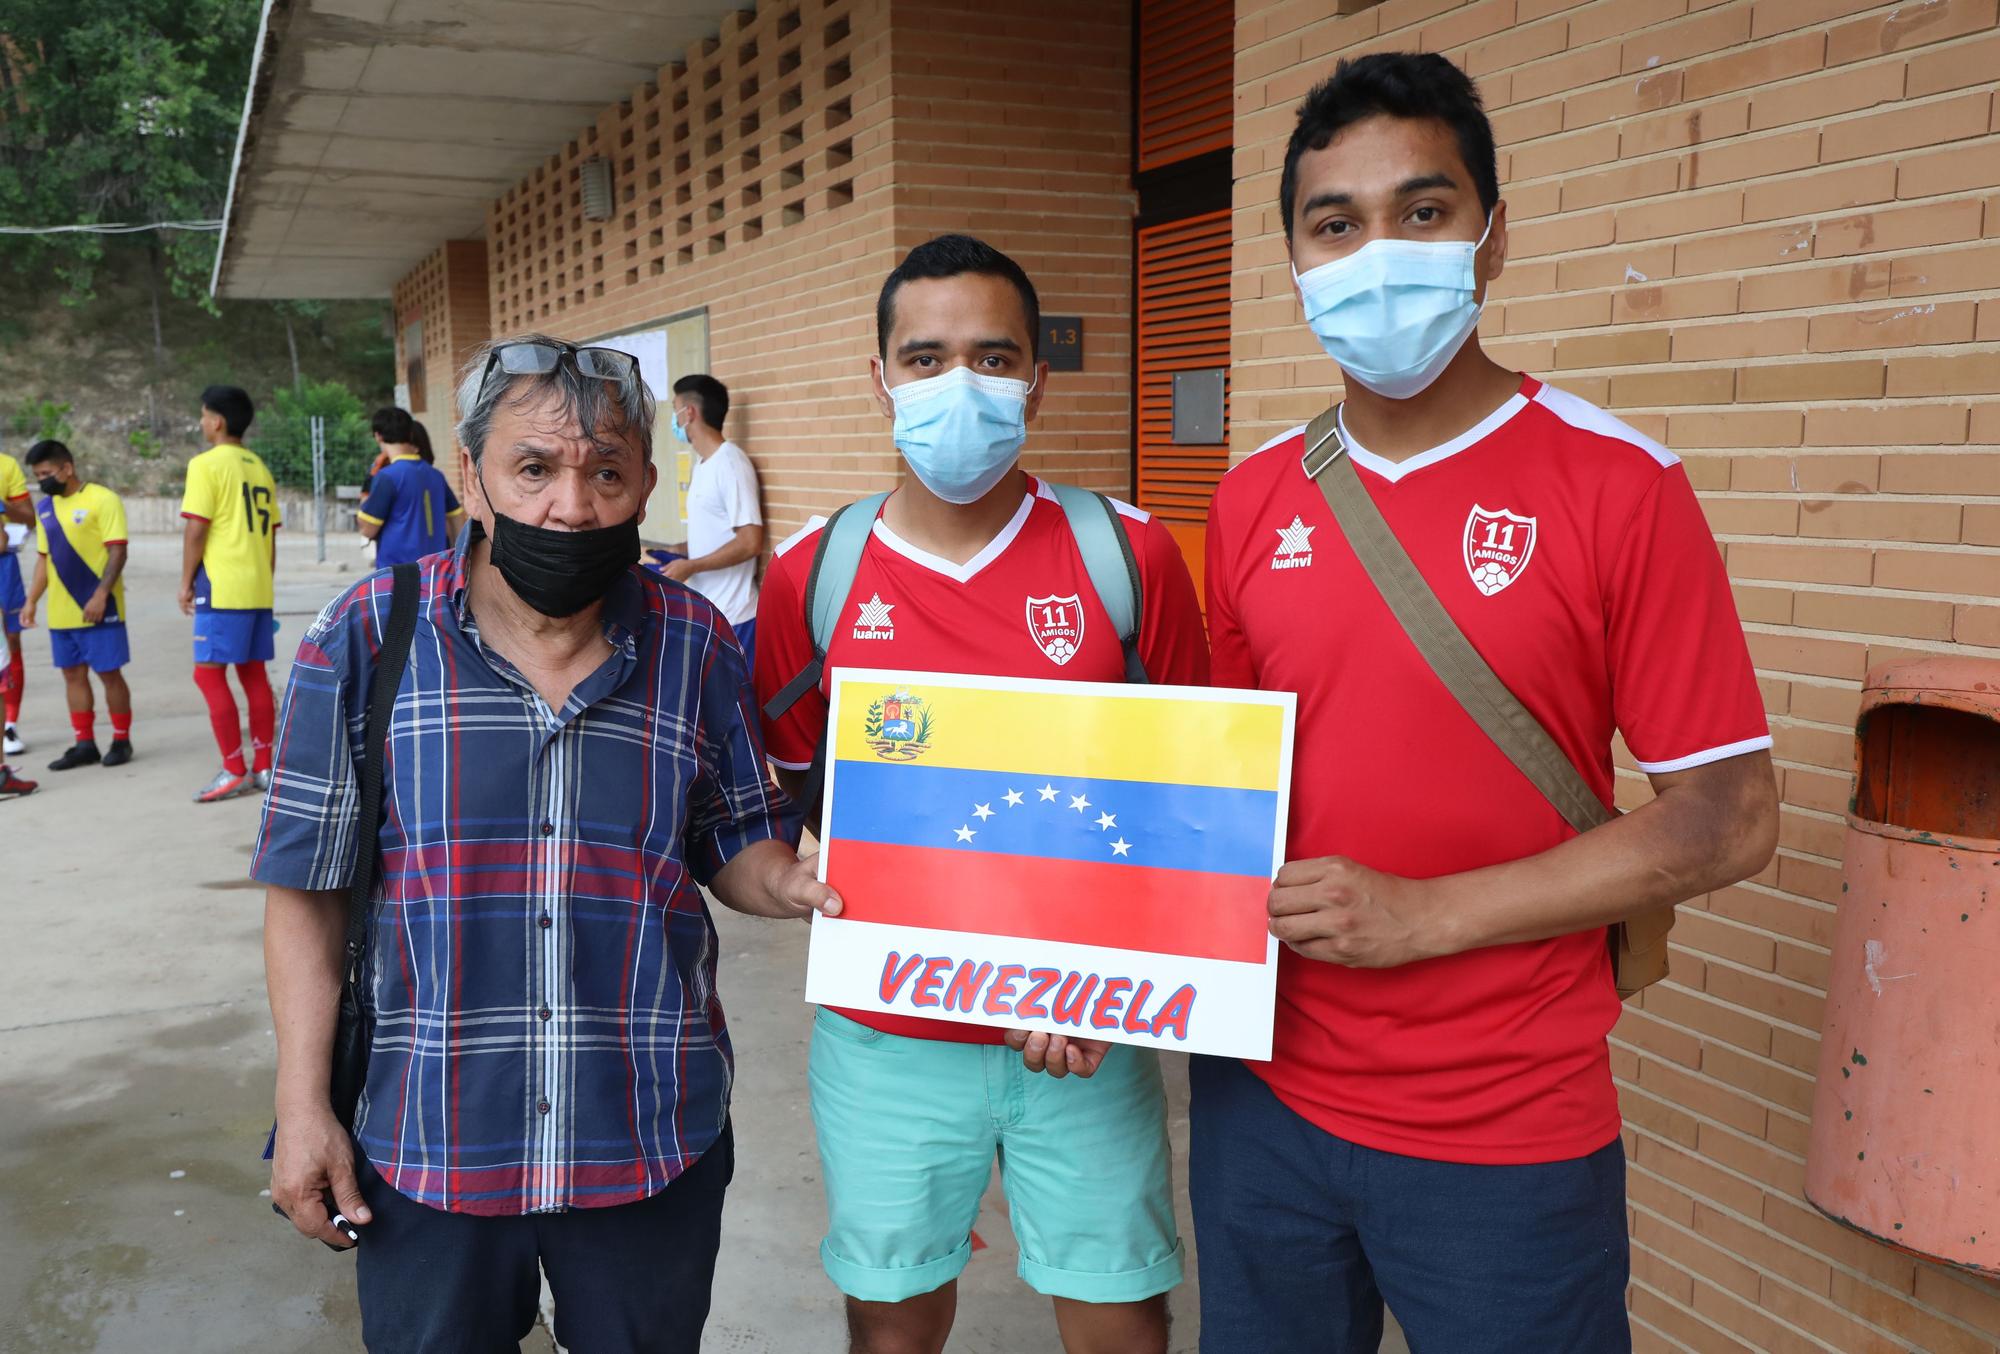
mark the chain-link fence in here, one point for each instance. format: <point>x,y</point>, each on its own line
<point>326,458</point>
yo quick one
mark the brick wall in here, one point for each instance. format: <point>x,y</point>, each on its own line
<point>1768,234</point>
<point>447,293</point>
<point>776,174</point>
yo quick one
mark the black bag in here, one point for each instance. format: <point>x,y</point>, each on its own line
<point>356,1026</point>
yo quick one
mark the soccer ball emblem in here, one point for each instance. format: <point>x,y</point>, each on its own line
<point>1061,650</point>
<point>1489,578</point>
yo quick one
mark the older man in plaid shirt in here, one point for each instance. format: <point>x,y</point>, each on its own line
<point>574,752</point>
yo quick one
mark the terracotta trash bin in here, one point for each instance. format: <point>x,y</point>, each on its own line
<point>1905,1142</point>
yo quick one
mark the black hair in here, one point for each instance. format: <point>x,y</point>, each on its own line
<point>49,452</point>
<point>232,405</point>
<point>420,438</point>
<point>390,424</point>
<point>1397,85</point>
<point>950,256</point>
<point>709,395</point>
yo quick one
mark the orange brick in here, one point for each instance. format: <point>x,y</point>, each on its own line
<point>1824,1321</point>
<point>1902,228</point>
<point>1763,159</point>
<point>1564,155</point>
<point>1838,286</point>
<point>1951,119</point>
<point>1560,236</point>
<point>1654,1272</point>
<point>1690,37</point>
<point>1861,379</point>
<point>1894,1311</point>
<point>1699,299</point>
<point>1825,191</point>
<point>1623,99</point>
<point>1526,122</point>
<point>1709,385</point>
<point>1735,428</point>
<point>1613,267</point>
<point>1739,339</point>
<point>1738,944</point>
<point>1794,918</point>
<point>1767,1081</point>
<point>1837,705</point>
<point>1976,625</point>
<point>1558,312</point>
<point>1682,127</point>
<point>1799,1221</point>
<point>1882,520</point>
<point>1974,1301</point>
<point>1981,525</point>
<point>1516,47</point>
<point>1951,170</point>
<point>1947,270</point>
<point>1751,516</point>
<point>1938,571</point>
<point>1926,322</point>
<point>1751,1156</point>
<point>1698,1176</point>
<point>1689,1250</point>
<point>1699,1012</point>
<point>1887,425</point>
<point>1825,96</point>
<point>1649,178</point>
<point>1760,65</point>
<point>1954,67</point>
<point>1469,24</point>
<point>1616,18</point>
<point>1663,1042</point>
<point>1862,614</point>
<point>1623,348</point>
<point>1682,214</point>
<point>1906,26</point>
<point>1804,474</point>
<point>1771,17</point>
<point>1940,473</point>
<point>1735,250</point>
<point>1573,70</point>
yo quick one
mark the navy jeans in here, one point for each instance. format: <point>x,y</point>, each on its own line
<point>632,1279</point>
<point>1301,1235</point>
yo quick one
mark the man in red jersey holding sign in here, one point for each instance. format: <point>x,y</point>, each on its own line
<point>975,566</point>
<point>1438,1124</point>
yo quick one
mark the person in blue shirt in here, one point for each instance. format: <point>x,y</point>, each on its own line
<point>410,511</point>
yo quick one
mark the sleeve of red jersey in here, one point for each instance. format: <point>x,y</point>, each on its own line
<point>1228,652</point>
<point>1171,642</point>
<point>784,647</point>
<point>1683,689</point>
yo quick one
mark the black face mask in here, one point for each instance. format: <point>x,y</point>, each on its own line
<point>49,485</point>
<point>559,573</point>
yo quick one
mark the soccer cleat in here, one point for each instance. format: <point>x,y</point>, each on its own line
<point>262,779</point>
<point>12,785</point>
<point>81,754</point>
<point>119,753</point>
<point>11,742</point>
<point>226,785</point>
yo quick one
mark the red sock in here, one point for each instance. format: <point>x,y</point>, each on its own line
<point>263,715</point>
<point>17,676</point>
<point>222,718</point>
<point>84,722</point>
<point>121,727</point>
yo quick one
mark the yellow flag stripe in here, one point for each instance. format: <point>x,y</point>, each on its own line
<point>1184,742</point>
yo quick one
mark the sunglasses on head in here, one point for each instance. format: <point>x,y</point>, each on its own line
<point>538,358</point>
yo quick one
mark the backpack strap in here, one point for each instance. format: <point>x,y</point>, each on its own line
<point>836,559</point>
<point>1108,559</point>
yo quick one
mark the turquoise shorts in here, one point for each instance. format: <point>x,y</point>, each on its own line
<point>908,1129</point>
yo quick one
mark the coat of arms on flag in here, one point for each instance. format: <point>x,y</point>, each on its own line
<point>1085,858</point>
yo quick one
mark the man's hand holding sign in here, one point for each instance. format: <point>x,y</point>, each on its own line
<point>1079,863</point>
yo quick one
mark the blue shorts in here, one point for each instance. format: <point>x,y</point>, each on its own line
<point>13,593</point>
<point>232,635</point>
<point>103,647</point>
<point>1301,1235</point>
<point>746,639</point>
<point>908,1131</point>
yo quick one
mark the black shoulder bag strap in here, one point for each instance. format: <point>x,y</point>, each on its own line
<point>352,1034</point>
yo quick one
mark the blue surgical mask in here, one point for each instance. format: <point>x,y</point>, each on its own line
<point>961,432</point>
<point>1394,313</point>
<point>680,433</point>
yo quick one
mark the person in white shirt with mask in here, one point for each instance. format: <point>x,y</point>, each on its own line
<point>725,521</point>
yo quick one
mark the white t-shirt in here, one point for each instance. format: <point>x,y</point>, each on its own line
<point>722,496</point>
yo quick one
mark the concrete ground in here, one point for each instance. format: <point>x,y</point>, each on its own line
<point>136,1063</point>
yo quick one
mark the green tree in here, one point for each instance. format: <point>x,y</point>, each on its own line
<point>120,111</point>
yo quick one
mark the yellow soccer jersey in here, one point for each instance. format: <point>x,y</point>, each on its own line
<point>13,484</point>
<point>91,520</point>
<point>229,488</point>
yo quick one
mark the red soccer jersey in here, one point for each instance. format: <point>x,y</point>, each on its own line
<point>1572,552</point>
<point>911,610</point>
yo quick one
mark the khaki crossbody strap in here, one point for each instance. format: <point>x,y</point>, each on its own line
<point>1639,948</point>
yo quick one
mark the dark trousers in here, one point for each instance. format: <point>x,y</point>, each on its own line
<point>1302,1234</point>
<point>632,1279</point>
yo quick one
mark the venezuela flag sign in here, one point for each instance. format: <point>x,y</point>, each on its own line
<point>1085,858</point>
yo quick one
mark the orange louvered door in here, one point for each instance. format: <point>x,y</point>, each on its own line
<point>1187,69</point>
<point>1183,326</point>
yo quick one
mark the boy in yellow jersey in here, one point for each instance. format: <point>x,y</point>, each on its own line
<point>80,540</point>
<point>18,511</point>
<point>229,551</point>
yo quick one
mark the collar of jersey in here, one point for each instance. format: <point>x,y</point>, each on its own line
<point>404,456</point>
<point>1393,471</point>
<point>961,573</point>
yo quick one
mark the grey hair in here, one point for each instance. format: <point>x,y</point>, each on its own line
<point>587,401</point>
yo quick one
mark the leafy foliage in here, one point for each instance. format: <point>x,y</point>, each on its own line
<point>43,419</point>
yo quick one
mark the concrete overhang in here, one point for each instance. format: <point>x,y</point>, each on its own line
<point>375,129</point>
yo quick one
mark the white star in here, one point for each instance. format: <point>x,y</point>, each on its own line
<point>1295,539</point>
<point>875,613</point>
<point>1048,793</point>
<point>1107,820</point>
<point>965,833</point>
<point>982,811</point>
<point>1121,847</point>
<point>1079,803</point>
<point>1013,799</point>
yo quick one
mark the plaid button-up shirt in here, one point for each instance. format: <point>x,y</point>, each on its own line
<point>541,960</point>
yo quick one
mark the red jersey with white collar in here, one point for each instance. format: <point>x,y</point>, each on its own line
<point>1022,607</point>
<point>1571,551</point>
